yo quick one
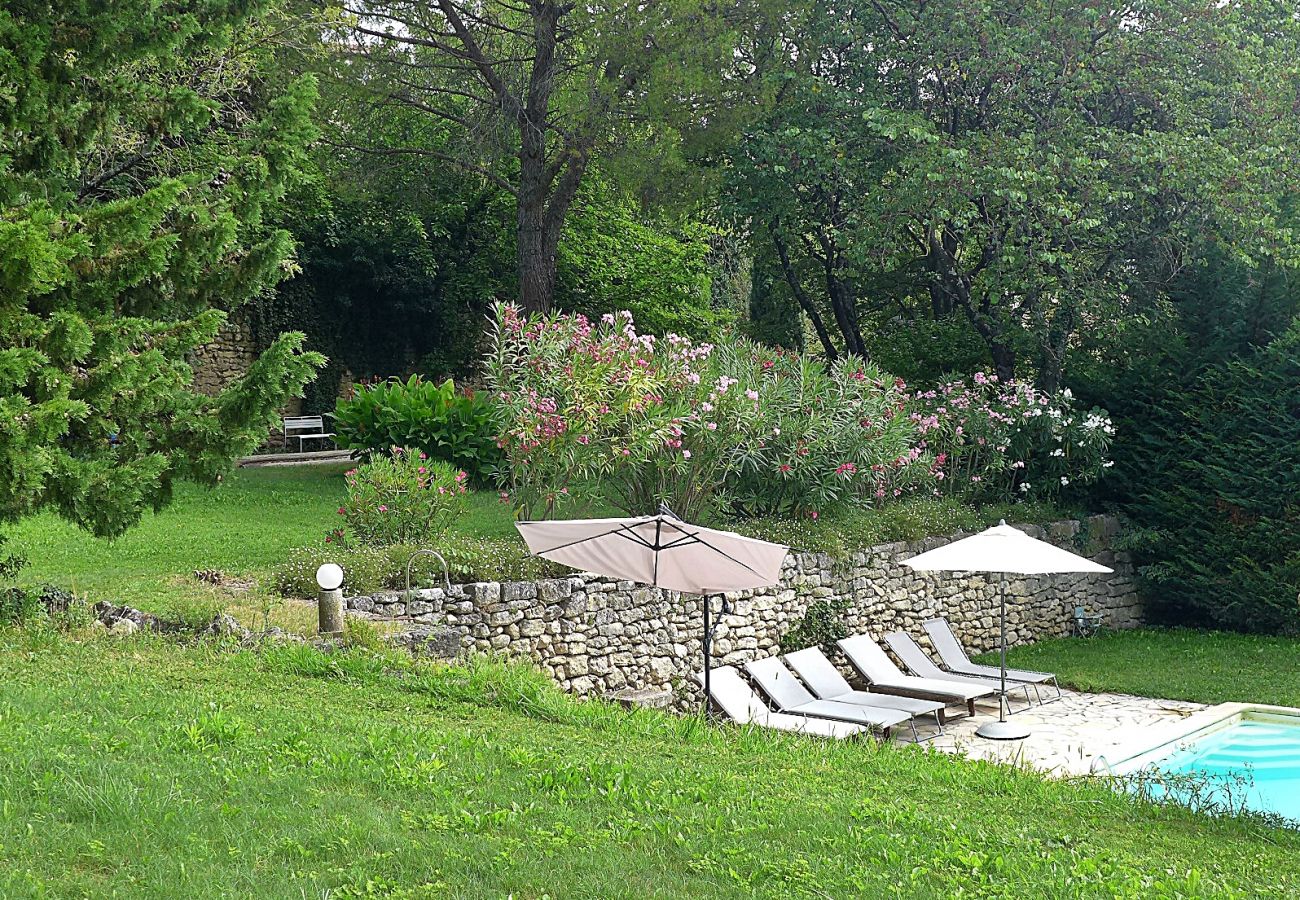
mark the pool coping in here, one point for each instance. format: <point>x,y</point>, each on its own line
<point>1136,754</point>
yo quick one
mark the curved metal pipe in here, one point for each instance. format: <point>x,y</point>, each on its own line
<point>446,575</point>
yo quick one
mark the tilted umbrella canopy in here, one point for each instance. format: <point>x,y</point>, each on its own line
<point>663,551</point>
<point>659,550</point>
<point>1002,549</point>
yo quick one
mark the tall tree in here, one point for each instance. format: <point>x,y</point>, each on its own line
<point>525,94</point>
<point>1018,165</point>
<point>140,155</point>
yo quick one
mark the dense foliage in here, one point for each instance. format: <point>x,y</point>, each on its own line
<point>599,409</point>
<point>457,427</point>
<point>141,157</point>
<point>1017,169</point>
<point>399,497</point>
<point>1224,516</point>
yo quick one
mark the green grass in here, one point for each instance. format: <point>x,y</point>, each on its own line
<point>244,527</point>
<point>1178,664</point>
<point>142,769</point>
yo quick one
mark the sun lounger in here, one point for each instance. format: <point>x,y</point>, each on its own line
<point>738,700</point>
<point>955,659</point>
<point>886,678</point>
<point>790,696</point>
<point>910,652</point>
<point>824,680</point>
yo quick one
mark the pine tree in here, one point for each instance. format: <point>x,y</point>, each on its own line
<point>141,152</point>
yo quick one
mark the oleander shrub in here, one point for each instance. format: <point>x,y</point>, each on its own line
<point>455,426</point>
<point>401,497</point>
<point>995,441</point>
<point>595,409</point>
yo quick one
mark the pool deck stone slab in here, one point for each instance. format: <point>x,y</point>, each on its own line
<point>1069,735</point>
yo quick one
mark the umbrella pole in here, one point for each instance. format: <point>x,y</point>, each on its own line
<point>1002,730</point>
<point>706,643</point>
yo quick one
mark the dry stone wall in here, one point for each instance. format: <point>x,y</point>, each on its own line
<point>599,636</point>
<point>227,358</point>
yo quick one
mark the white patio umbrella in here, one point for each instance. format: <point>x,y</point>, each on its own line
<point>1004,550</point>
<point>663,551</point>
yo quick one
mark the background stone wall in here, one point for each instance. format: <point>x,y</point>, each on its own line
<point>598,636</point>
<point>217,364</point>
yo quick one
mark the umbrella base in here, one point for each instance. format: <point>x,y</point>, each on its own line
<point>1002,731</point>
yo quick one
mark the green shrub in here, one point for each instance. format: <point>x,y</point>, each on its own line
<point>436,419</point>
<point>46,604</point>
<point>20,607</point>
<point>1222,518</point>
<point>843,531</point>
<point>821,626</point>
<point>402,497</point>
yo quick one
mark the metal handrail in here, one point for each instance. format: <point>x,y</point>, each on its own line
<point>446,573</point>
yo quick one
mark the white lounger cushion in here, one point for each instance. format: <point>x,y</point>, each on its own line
<point>910,652</point>
<point>739,701</point>
<point>954,656</point>
<point>785,690</point>
<point>824,680</point>
<point>879,669</point>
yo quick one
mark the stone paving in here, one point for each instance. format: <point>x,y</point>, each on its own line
<point>1066,735</point>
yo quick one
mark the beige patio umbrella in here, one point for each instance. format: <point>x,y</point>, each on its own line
<point>663,551</point>
<point>1004,550</point>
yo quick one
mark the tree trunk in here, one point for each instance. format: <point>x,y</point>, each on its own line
<point>1004,360</point>
<point>801,297</point>
<point>845,304</point>
<point>535,250</point>
<point>535,241</point>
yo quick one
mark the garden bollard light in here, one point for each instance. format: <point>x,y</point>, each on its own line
<point>330,578</point>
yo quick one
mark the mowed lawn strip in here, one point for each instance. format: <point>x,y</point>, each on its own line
<point>159,771</point>
<point>1176,663</point>
<point>243,527</point>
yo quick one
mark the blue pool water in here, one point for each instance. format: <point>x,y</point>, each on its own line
<point>1256,760</point>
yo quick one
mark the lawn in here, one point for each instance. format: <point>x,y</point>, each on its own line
<point>143,769</point>
<point>243,528</point>
<point>1180,664</point>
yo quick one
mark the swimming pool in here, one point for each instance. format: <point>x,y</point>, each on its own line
<point>1251,760</point>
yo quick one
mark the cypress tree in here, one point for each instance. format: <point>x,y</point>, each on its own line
<point>141,154</point>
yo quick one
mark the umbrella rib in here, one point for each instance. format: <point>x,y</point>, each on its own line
<point>720,552</point>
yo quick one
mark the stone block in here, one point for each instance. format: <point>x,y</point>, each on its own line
<point>518,590</point>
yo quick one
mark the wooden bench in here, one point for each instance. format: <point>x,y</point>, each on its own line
<point>305,428</point>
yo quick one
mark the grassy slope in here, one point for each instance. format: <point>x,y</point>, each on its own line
<point>155,771</point>
<point>244,527</point>
<point>1182,664</point>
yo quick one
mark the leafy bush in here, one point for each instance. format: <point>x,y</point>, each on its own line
<point>45,604</point>
<point>821,626</point>
<point>997,441</point>
<point>598,409</point>
<point>402,497</point>
<point>1223,517</point>
<point>454,426</point>
<point>847,529</point>
<point>370,569</point>
<point>612,258</point>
